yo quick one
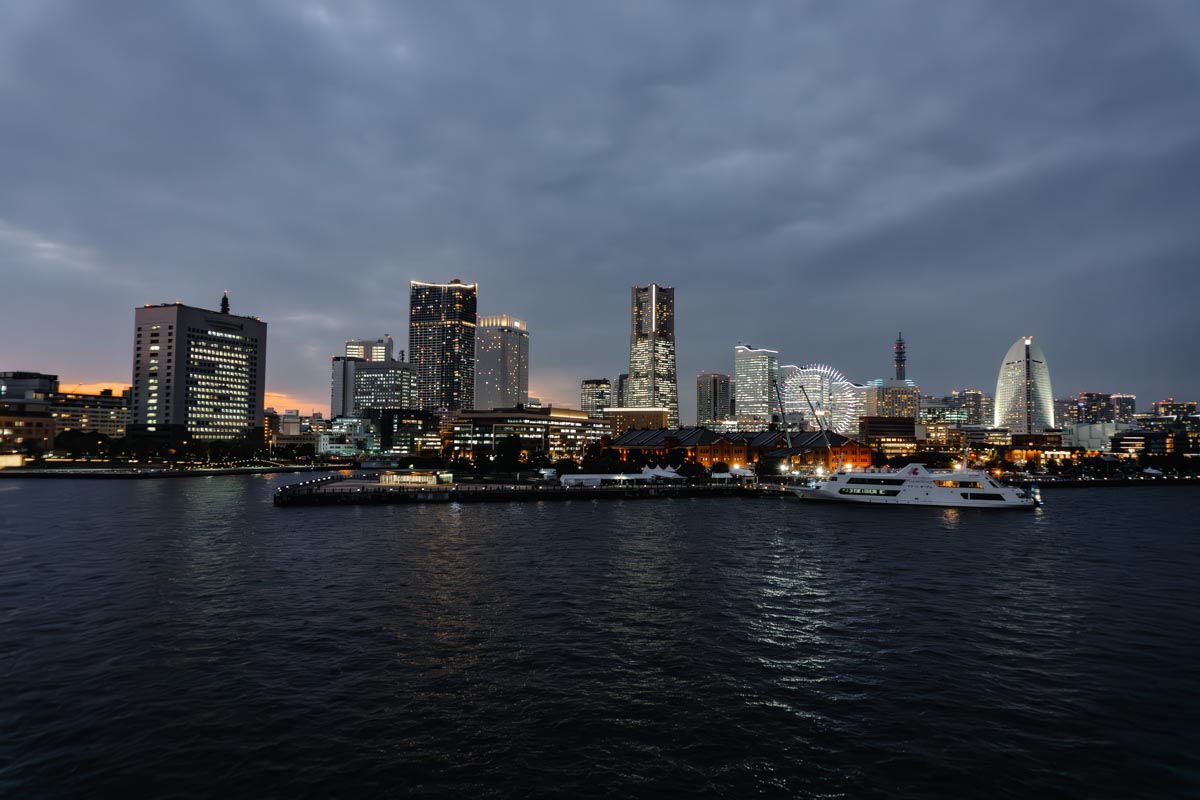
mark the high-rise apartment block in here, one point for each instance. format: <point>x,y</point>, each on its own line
<point>595,395</point>
<point>441,343</point>
<point>1024,399</point>
<point>370,349</point>
<point>198,373</point>
<point>652,379</point>
<point>501,362</point>
<point>712,398</point>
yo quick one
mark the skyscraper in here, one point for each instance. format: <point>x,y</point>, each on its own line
<point>620,387</point>
<point>341,393</point>
<point>441,343</point>
<point>595,395</point>
<point>501,362</point>
<point>712,398</point>
<point>197,373</point>
<point>652,380</point>
<point>757,375</point>
<point>370,349</point>
<point>1024,400</point>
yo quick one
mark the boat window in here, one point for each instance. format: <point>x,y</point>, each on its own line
<point>959,484</point>
<point>878,481</point>
<point>982,496</point>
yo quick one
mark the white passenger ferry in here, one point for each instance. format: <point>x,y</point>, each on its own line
<point>915,485</point>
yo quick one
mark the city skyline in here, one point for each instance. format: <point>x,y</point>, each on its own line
<point>966,183</point>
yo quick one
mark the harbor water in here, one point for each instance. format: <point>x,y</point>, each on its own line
<point>185,638</point>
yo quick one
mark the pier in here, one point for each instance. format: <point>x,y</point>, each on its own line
<point>336,490</point>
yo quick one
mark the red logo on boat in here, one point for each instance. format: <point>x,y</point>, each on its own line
<point>915,471</point>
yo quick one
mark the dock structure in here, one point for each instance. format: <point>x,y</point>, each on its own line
<point>336,490</point>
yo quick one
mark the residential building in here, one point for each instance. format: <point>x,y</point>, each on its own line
<point>757,374</point>
<point>197,373</point>
<point>652,379</point>
<point>441,343</point>
<point>595,395</point>
<point>712,398</point>
<point>501,362</point>
<point>1024,398</point>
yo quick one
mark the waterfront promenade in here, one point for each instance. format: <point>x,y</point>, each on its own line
<point>358,490</point>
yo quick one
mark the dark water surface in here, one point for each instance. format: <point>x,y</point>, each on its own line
<point>184,638</point>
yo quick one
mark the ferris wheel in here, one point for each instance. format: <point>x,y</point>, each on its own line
<point>837,401</point>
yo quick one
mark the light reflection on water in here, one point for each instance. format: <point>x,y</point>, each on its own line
<point>592,649</point>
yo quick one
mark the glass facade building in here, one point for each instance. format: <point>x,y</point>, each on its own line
<point>501,362</point>
<point>595,395</point>
<point>1024,399</point>
<point>712,398</point>
<point>441,343</point>
<point>757,374</point>
<point>652,379</point>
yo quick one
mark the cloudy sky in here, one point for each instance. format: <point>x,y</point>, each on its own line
<point>810,177</point>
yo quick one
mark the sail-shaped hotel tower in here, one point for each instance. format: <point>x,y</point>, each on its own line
<point>1024,400</point>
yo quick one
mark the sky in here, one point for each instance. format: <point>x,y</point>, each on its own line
<point>809,177</point>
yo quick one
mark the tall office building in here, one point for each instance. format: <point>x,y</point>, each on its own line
<point>341,394</point>
<point>380,385</point>
<point>973,403</point>
<point>619,389</point>
<point>441,343</point>
<point>1124,407</point>
<point>595,395</point>
<point>712,398</point>
<point>501,362</point>
<point>652,379</point>
<point>198,373</point>
<point>757,374</point>
<point>370,349</point>
<point>894,397</point>
<point>1024,400</point>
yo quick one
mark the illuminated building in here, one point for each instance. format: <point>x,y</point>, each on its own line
<point>360,388</point>
<point>975,405</point>
<point>1024,399</point>
<point>501,362</point>
<point>26,385</point>
<point>370,349</point>
<point>553,432</point>
<point>621,384</point>
<point>1124,407</point>
<point>105,413</point>
<point>595,395</point>
<point>712,398</point>
<point>652,380</point>
<point>757,374</point>
<point>441,343</point>
<point>197,373</point>
<point>894,397</point>
<point>624,419</point>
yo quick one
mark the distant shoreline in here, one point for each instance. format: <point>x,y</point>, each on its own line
<point>109,473</point>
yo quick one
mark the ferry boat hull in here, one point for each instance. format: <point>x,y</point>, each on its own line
<point>915,485</point>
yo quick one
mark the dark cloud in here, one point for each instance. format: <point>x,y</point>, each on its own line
<point>810,177</point>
